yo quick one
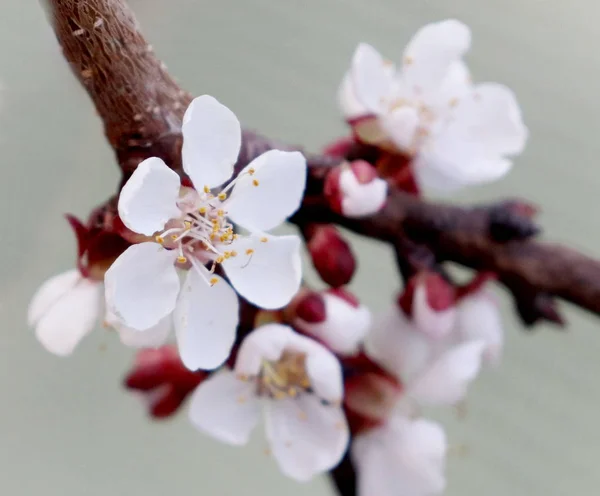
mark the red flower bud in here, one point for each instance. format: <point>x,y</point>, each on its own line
<point>331,255</point>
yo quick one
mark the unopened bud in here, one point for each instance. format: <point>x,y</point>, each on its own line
<point>355,190</point>
<point>345,325</point>
<point>430,301</point>
<point>331,255</point>
<point>311,308</point>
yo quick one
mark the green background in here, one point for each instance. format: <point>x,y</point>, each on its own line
<point>66,427</point>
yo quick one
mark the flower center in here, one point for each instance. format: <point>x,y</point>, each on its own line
<point>284,378</point>
<point>203,234</point>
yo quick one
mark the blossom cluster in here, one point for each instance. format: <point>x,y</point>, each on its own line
<point>190,250</point>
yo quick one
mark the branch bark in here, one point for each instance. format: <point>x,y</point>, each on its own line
<point>142,106</point>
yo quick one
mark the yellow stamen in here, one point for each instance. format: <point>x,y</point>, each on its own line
<point>187,224</point>
<point>222,196</point>
<point>181,259</point>
<point>235,236</point>
<point>213,281</point>
<point>173,237</point>
<point>255,182</point>
<point>227,255</point>
<point>249,251</point>
<point>251,170</point>
<point>160,239</point>
<point>233,253</point>
<point>220,259</point>
<point>206,189</point>
<point>220,212</point>
<point>202,210</point>
<point>264,239</point>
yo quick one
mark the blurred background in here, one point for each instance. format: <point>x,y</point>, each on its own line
<point>66,426</point>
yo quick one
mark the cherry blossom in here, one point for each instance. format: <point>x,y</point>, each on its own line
<point>402,457</point>
<point>457,133</point>
<point>194,229</point>
<point>344,324</point>
<point>432,371</point>
<point>298,382</point>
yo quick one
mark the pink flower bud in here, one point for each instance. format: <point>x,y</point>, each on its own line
<point>355,190</point>
<point>331,255</point>
<point>430,301</point>
<point>345,324</point>
<point>162,379</point>
<point>311,308</point>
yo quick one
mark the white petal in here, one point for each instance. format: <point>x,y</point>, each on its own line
<point>491,116</point>
<point>269,276</point>
<point>432,51</point>
<point>307,438</point>
<point>149,198</point>
<point>455,86</point>
<point>212,138</point>
<point>401,126</point>
<point>398,346</point>
<point>323,369</point>
<point>479,319</point>
<point>153,337</point>
<point>451,165</point>
<point>206,319</point>
<point>404,457</point>
<point>446,381</point>
<point>71,317</point>
<point>361,200</point>
<point>372,78</point>
<point>265,342</point>
<point>344,328</point>
<point>277,193</point>
<point>142,285</point>
<point>436,324</point>
<point>49,293</point>
<point>225,408</point>
<point>350,105</point>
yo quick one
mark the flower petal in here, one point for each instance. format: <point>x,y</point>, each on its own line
<point>406,454</point>
<point>491,116</point>
<point>142,285</point>
<point>206,319</point>
<point>479,319</point>
<point>325,372</point>
<point>431,52</point>
<point>350,105</point>
<point>266,198</point>
<point>446,381</point>
<point>361,200</point>
<point>70,318</point>
<point>401,126</point>
<point>372,78</point>
<point>149,198</point>
<point>435,323</point>
<point>225,408</point>
<point>265,342</point>
<point>307,438</point>
<point>153,337</point>
<point>397,345</point>
<point>268,272</point>
<point>344,328</point>
<point>49,293</point>
<point>212,138</point>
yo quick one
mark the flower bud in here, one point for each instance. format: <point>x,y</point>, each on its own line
<point>345,324</point>
<point>162,380</point>
<point>430,301</point>
<point>354,189</point>
<point>331,255</point>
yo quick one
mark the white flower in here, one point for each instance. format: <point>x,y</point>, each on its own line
<point>64,310</point>
<point>459,134</point>
<point>402,457</point>
<point>345,326</point>
<point>194,228</point>
<point>475,316</point>
<point>432,371</point>
<point>299,384</point>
